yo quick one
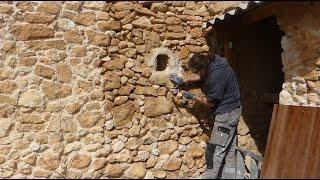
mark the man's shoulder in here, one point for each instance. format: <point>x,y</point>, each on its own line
<point>217,56</point>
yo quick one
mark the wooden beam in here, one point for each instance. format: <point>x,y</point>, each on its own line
<point>260,13</point>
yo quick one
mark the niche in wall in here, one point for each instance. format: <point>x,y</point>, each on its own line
<point>161,62</point>
<point>164,62</point>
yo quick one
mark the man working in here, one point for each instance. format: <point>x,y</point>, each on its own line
<point>223,96</point>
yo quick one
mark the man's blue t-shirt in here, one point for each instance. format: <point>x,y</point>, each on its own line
<point>221,86</point>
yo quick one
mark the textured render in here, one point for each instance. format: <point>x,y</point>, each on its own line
<point>79,100</point>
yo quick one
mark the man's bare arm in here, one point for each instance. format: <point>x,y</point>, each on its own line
<point>192,99</point>
<point>203,101</point>
<point>191,78</point>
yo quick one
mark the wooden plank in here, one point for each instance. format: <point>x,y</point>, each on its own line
<point>313,169</point>
<point>275,8</point>
<point>293,147</point>
<point>260,13</point>
<point>305,137</point>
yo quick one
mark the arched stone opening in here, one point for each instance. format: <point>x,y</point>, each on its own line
<point>164,62</point>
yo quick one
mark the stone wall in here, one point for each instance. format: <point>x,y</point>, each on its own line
<point>78,100</point>
<point>301,55</point>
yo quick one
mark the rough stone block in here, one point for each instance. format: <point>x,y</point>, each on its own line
<point>115,64</point>
<point>38,18</point>
<point>31,32</point>
<point>7,87</point>
<point>53,90</point>
<point>88,119</point>
<point>44,71</point>
<point>49,7</point>
<point>85,18</point>
<point>112,81</point>
<point>31,98</point>
<point>99,39</point>
<point>80,161</point>
<point>48,44</point>
<point>110,25</point>
<point>157,106</point>
<point>123,114</point>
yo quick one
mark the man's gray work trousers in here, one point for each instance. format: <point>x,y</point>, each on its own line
<point>221,148</point>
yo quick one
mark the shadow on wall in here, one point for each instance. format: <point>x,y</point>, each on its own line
<point>257,53</point>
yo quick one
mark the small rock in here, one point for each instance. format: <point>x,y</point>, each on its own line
<point>108,140</point>
<point>122,138</point>
<point>134,130</point>
<point>123,157</point>
<point>149,175</point>
<point>120,100</point>
<point>93,147</point>
<point>168,147</point>
<point>118,146</point>
<point>103,152</point>
<point>41,173</point>
<point>114,170</point>
<point>157,106</point>
<point>193,132</point>
<point>50,161</point>
<point>123,114</point>
<point>149,139</point>
<point>136,171</point>
<point>133,143</point>
<point>172,164</point>
<point>182,121</point>
<point>165,136</point>
<point>129,65</point>
<point>195,151</point>
<point>124,91</point>
<point>142,22</point>
<point>140,102</point>
<point>173,21</point>
<point>142,156</point>
<point>127,27</point>
<point>83,132</point>
<point>30,98</point>
<point>80,161</point>
<point>155,152</point>
<point>143,121</point>
<point>159,7</point>
<point>176,154</point>
<point>151,162</point>
<point>99,163</point>
<point>158,173</point>
<point>72,147</point>
<point>108,125</point>
<point>182,148</point>
<point>88,119</point>
<point>161,162</point>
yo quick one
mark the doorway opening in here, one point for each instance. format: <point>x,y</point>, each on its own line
<point>254,52</point>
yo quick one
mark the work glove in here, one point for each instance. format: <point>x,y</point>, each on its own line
<point>188,95</point>
<point>175,79</point>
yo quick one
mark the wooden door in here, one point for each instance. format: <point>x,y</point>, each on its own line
<point>293,147</point>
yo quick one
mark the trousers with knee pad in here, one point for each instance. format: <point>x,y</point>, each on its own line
<point>221,148</point>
